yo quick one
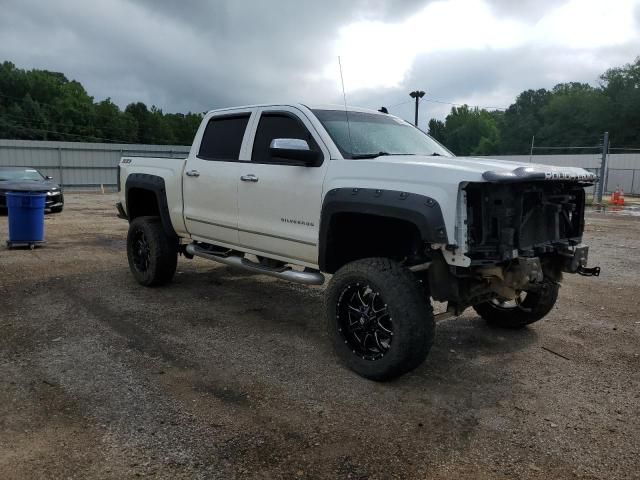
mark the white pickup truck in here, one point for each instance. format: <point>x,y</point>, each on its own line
<point>394,217</point>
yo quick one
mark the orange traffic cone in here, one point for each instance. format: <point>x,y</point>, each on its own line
<point>621,198</point>
<point>614,197</point>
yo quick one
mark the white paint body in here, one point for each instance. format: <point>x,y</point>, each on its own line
<point>217,207</point>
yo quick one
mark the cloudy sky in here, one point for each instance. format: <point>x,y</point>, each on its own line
<point>197,55</point>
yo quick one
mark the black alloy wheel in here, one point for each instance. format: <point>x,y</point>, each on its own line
<point>379,319</point>
<point>152,254</point>
<point>527,307</point>
<point>141,252</point>
<point>365,321</point>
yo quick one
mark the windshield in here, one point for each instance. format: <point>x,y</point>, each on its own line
<point>371,135</point>
<point>20,174</point>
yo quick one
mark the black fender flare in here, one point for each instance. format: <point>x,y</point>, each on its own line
<point>155,184</point>
<point>422,211</point>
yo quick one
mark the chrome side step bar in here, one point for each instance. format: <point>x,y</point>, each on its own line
<point>286,273</point>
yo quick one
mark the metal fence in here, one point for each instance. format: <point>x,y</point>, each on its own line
<point>626,178</point>
<point>94,165</point>
<point>623,169</point>
<point>78,165</point>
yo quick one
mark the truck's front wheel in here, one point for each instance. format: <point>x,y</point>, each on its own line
<point>528,307</point>
<point>152,254</point>
<point>378,318</point>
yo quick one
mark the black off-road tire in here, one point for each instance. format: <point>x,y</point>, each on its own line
<point>535,306</point>
<point>410,317</point>
<point>56,209</point>
<point>154,261</point>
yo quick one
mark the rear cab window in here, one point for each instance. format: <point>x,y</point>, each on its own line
<point>222,138</point>
<point>278,125</point>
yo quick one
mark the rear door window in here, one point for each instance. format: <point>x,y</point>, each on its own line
<point>222,138</point>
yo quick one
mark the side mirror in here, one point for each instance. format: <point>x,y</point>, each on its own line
<point>296,150</point>
<point>48,177</point>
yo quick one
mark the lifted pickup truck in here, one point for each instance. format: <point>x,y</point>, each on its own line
<point>395,218</point>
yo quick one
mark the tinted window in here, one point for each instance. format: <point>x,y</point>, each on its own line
<point>223,137</point>
<point>277,125</point>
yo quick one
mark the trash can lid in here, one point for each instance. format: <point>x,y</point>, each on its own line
<point>26,188</point>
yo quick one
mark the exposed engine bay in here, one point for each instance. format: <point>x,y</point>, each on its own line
<point>520,236</point>
<point>506,221</point>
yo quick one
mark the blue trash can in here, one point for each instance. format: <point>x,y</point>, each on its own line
<point>26,217</point>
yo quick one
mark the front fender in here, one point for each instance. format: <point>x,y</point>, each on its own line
<point>422,211</point>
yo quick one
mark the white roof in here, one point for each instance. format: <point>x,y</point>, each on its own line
<point>341,107</point>
<point>312,107</point>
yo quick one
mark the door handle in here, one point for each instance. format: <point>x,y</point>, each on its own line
<point>249,178</point>
<point>192,173</point>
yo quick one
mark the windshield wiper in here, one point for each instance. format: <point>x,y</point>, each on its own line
<point>359,156</point>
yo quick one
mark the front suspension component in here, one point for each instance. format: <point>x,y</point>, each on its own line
<point>588,272</point>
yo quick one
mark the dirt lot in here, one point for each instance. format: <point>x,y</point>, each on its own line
<point>228,375</point>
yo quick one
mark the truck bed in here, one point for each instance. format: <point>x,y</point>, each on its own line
<point>170,169</point>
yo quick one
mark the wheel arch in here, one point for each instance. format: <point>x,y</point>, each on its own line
<point>145,194</point>
<point>411,214</point>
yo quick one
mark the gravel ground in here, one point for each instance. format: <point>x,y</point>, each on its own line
<point>228,375</point>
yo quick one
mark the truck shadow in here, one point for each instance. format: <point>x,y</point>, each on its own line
<point>281,314</point>
<point>299,309</point>
<point>467,370</point>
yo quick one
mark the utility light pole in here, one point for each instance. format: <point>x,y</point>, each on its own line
<point>417,94</point>
<point>601,187</point>
<point>533,140</point>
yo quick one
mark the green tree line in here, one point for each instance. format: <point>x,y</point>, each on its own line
<point>570,114</point>
<point>43,105</point>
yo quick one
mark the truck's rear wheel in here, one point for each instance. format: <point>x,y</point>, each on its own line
<point>152,254</point>
<point>528,307</point>
<point>378,319</point>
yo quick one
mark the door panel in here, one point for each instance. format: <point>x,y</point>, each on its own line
<point>281,216</point>
<point>210,200</point>
<point>279,208</point>
<point>210,182</point>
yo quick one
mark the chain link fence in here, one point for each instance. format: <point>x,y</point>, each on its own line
<point>628,179</point>
<point>625,179</point>
<point>623,169</point>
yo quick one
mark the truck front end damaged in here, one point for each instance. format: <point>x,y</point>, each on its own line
<point>516,235</point>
